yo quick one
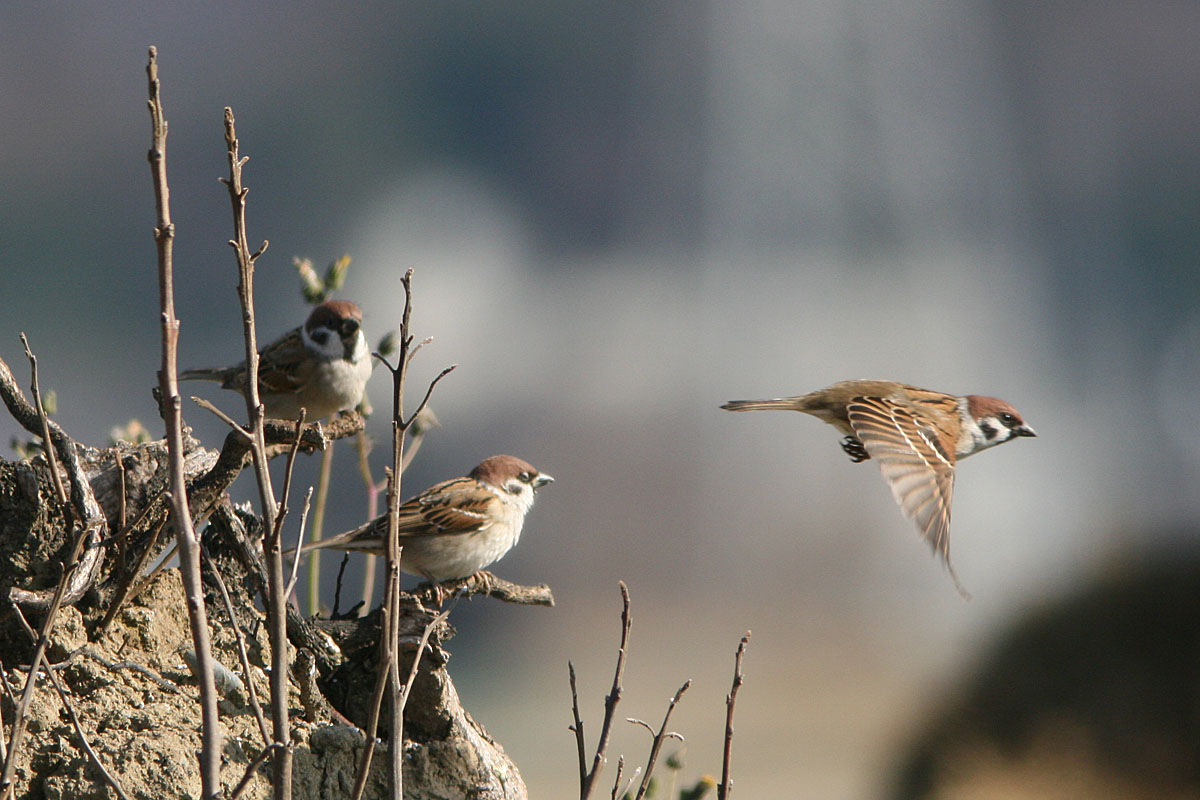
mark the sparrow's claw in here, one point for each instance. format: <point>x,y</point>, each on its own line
<point>854,448</point>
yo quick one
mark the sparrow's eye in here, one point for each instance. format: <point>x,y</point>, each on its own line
<point>525,477</point>
<point>1009,420</point>
<point>320,336</point>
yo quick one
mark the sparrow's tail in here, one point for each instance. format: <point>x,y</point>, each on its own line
<point>202,375</point>
<point>780,404</point>
<point>362,539</point>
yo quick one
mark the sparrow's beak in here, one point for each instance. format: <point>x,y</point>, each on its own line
<point>1024,430</point>
<point>542,480</point>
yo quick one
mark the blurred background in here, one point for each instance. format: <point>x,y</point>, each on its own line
<point>622,215</point>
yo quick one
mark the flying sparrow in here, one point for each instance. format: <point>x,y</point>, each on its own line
<point>916,435</point>
<point>457,527</point>
<point>321,366</point>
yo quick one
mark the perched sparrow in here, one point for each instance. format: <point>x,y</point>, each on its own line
<point>916,435</point>
<point>322,366</point>
<point>458,527</point>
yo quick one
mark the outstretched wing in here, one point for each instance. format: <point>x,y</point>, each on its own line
<point>917,460</point>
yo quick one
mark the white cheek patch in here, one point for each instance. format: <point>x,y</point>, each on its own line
<point>361,350</point>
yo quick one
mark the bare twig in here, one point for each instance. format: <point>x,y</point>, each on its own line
<point>616,790</point>
<point>51,460</point>
<point>83,500</point>
<point>580,744</point>
<point>80,568</point>
<point>389,670</point>
<point>70,707</point>
<point>252,768</point>
<point>588,778</point>
<point>251,695</point>
<point>725,788</point>
<point>171,406</point>
<point>659,738</point>
<point>276,599</point>
<point>363,446</point>
<point>291,584</point>
<point>318,530</point>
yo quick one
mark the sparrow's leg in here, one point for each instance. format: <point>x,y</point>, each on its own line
<point>854,448</point>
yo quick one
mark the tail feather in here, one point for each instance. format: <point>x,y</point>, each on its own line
<point>202,375</point>
<point>779,404</point>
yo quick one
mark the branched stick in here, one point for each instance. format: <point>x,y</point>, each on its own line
<point>389,668</point>
<point>188,544</point>
<point>70,707</point>
<point>725,788</point>
<point>659,738</point>
<point>276,599</point>
<point>588,778</point>
<point>80,569</point>
<point>83,501</point>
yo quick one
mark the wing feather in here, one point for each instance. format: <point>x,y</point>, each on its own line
<point>917,461</point>
<point>457,506</point>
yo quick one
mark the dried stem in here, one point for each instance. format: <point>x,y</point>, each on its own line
<point>363,446</point>
<point>65,699</point>
<point>318,530</point>
<point>725,788</point>
<point>80,568</point>
<point>189,548</point>
<point>276,599</point>
<point>588,778</point>
<point>36,391</point>
<point>389,673</point>
<point>241,645</point>
<point>659,738</point>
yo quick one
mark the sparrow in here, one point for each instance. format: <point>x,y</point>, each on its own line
<point>455,528</point>
<point>322,366</point>
<point>918,436</point>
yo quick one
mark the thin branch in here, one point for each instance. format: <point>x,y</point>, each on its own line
<point>289,467</point>
<point>64,698</point>
<point>252,768</point>
<point>610,702</point>
<point>580,744</point>
<point>59,491</point>
<point>276,599</point>
<point>428,393</point>
<point>221,415</point>
<point>241,645</point>
<point>725,788</point>
<point>318,530</point>
<point>70,707</point>
<point>83,500</point>
<point>659,738</point>
<point>291,584</point>
<point>77,573</point>
<point>171,409</point>
<point>389,669</point>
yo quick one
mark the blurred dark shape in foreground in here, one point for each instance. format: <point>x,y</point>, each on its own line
<point>1094,695</point>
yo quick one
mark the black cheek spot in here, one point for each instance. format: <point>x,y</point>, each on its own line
<point>989,430</point>
<point>319,336</point>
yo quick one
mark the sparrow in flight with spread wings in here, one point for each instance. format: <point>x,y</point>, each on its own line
<point>916,435</point>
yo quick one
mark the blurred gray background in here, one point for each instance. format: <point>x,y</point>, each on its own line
<point>620,216</point>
